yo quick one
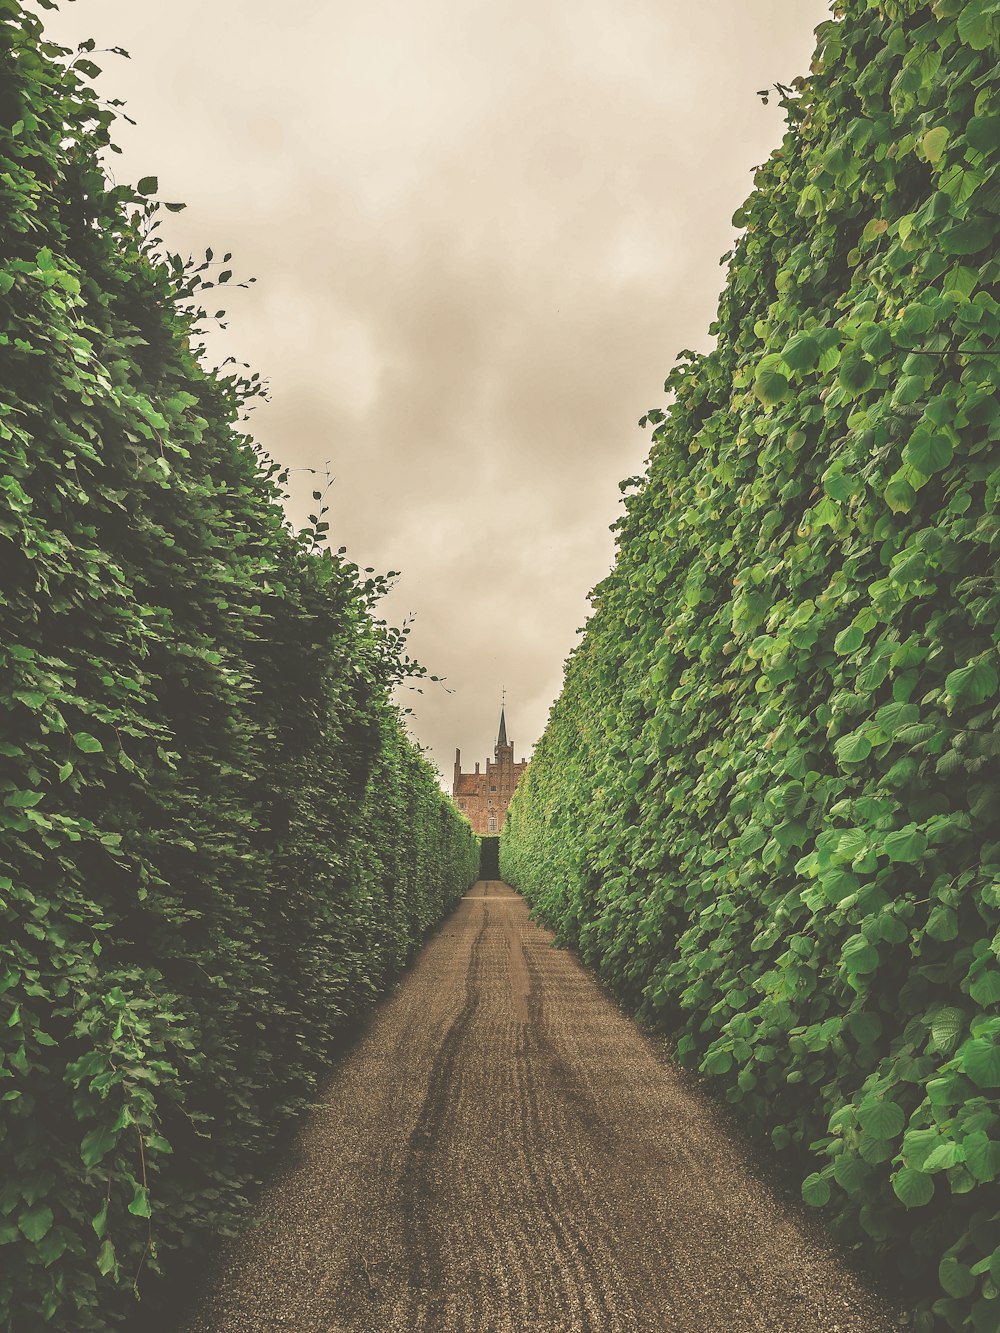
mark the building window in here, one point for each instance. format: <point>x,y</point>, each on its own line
<point>493,823</point>
<point>492,786</point>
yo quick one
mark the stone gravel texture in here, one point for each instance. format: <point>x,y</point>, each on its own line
<point>506,1152</point>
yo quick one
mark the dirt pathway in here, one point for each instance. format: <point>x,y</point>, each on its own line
<point>504,1152</point>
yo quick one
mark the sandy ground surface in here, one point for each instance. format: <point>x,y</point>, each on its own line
<point>505,1152</point>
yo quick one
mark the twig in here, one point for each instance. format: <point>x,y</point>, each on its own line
<point>149,1221</point>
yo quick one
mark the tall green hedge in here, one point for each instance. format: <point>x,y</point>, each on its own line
<point>766,804</point>
<point>216,843</point>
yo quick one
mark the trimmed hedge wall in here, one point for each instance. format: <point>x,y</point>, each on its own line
<point>766,804</point>
<point>216,843</point>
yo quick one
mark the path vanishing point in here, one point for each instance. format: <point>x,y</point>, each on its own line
<point>504,1151</point>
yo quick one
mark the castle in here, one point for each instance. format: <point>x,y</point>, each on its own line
<point>484,797</point>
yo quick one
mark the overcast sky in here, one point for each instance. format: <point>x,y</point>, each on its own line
<point>481,232</point>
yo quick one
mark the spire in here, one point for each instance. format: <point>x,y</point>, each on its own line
<point>502,737</point>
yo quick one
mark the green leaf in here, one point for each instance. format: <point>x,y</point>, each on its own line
<point>899,495</point>
<point>98,1143</point>
<point>946,1028</point>
<point>851,844</point>
<point>865,1028</point>
<point>915,319</point>
<point>33,699</point>
<point>838,885</point>
<point>770,385</point>
<point>985,989</point>
<point>810,201</point>
<point>100,1221</point>
<point>148,185</point>
<point>974,683</point>
<point>933,143</point>
<point>980,1059</point>
<point>23,800</point>
<point>35,1222</point>
<point>945,1091</point>
<point>717,1062</point>
<point>854,748</point>
<point>918,1144</point>
<point>942,924</point>
<point>816,1190</point>
<point>840,486</point>
<point>857,373</point>
<point>975,25</point>
<point>905,845</point>
<point>87,743</point>
<point>849,640</point>
<point>876,341</point>
<point>881,1119</point>
<point>106,1261</point>
<point>982,1156</point>
<point>983,133</point>
<point>943,1158</point>
<point>956,1278</point>
<point>858,956</point>
<point>875,1150</point>
<point>912,1188</point>
<point>928,452</point>
<point>800,352</point>
<point>916,733</point>
<point>969,237</point>
<point>139,1207</point>
<point>850,1173</point>
<point>52,1247</point>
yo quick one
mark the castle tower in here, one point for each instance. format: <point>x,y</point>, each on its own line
<point>484,797</point>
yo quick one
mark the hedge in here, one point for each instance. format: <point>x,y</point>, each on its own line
<point>766,803</point>
<point>217,844</point>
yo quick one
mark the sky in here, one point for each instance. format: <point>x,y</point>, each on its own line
<point>481,233</point>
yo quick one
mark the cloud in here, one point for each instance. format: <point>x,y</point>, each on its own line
<point>481,233</point>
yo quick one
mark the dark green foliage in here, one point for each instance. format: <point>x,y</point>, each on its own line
<point>489,858</point>
<point>766,805</point>
<point>216,844</point>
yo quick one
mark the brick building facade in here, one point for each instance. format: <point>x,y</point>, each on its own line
<point>484,797</point>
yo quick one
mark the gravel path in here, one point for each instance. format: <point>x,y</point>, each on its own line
<point>505,1152</point>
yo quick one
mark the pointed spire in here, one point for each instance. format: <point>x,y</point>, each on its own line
<point>502,737</point>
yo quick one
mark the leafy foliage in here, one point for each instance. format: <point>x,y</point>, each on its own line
<point>216,843</point>
<point>766,802</point>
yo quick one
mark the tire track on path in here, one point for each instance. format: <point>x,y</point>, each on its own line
<point>505,1152</point>
<point>422,1243</point>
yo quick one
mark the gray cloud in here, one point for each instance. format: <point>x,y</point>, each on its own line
<point>481,234</point>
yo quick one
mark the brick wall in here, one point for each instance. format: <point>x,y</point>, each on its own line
<point>483,797</point>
